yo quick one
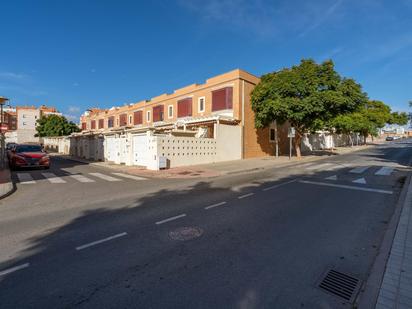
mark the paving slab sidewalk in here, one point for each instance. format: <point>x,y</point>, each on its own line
<point>6,185</point>
<point>396,287</point>
<point>220,168</point>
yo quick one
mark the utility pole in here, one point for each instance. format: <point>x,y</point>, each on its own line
<point>2,137</point>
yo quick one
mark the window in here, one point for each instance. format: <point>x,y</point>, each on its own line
<point>101,123</point>
<point>184,108</point>
<point>148,116</point>
<point>222,99</point>
<point>138,117</point>
<point>110,122</point>
<point>272,135</point>
<point>158,113</point>
<point>130,119</point>
<point>170,111</point>
<point>201,104</point>
<point>93,124</point>
<point>84,126</point>
<point>123,120</point>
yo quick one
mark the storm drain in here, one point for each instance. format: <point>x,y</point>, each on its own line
<point>340,284</point>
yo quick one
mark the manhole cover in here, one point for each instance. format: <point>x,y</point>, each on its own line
<point>185,233</point>
<point>340,284</point>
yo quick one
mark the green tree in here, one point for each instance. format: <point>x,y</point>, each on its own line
<point>399,118</point>
<point>367,119</point>
<point>308,96</point>
<point>55,125</point>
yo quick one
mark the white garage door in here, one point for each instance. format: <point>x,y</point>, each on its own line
<point>140,150</point>
<point>111,149</point>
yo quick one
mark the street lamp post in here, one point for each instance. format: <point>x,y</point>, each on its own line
<point>3,100</point>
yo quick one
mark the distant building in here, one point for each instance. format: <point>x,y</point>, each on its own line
<point>22,121</point>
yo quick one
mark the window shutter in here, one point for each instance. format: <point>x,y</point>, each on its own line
<point>93,124</point>
<point>84,126</point>
<point>123,119</point>
<point>138,117</point>
<point>184,108</point>
<point>222,99</point>
<point>111,122</point>
<point>101,123</point>
<point>158,113</point>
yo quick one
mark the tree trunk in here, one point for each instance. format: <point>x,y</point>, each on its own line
<point>350,140</point>
<point>297,140</point>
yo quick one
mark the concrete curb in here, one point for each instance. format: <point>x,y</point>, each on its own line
<point>7,187</point>
<point>370,292</point>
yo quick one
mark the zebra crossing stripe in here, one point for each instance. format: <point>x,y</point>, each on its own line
<point>25,178</point>
<point>53,178</point>
<point>319,166</point>
<point>129,176</point>
<point>359,169</point>
<point>81,178</point>
<point>104,177</point>
<point>384,171</point>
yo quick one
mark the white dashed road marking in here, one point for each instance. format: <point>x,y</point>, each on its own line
<point>324,166</point>
<point>81,178</point>
<point>13,269</point>
<point>215,205</point>
<point>334,177</point>
<point>384,171</point>
<point>94,243</point>
<point>359,170</point>
<point>25,178</point>
<point>360,180</point>
<point>245,195</point>
<point>104,177</point>
<point>53,178</point>
<point>326,184</point>
<point>170,219</point>
<point>129,176</point>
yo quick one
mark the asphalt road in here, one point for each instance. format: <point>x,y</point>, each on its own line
<point>256,240</point>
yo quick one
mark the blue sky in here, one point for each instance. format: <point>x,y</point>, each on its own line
<point>81,54</point>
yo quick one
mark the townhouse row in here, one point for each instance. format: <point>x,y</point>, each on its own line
<point>196,111</point>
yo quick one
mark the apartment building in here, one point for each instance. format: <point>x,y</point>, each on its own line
<point>27,117</point>
<point>200,110</point>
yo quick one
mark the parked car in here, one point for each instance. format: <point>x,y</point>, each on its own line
<point>389,138</point>
<point>28,155</point>
<point>396,137</point>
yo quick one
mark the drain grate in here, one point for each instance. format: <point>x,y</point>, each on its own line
<point>340,284</point>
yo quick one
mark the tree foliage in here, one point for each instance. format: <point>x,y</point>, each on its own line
<point>368,119</point>
<point>55,125</point>
<point>399,118</point>
<point>308,96</point>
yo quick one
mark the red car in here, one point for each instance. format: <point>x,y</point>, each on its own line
<point>27,155</point>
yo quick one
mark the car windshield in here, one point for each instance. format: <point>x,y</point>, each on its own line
<point>28,148</point>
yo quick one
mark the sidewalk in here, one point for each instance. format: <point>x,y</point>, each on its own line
<point>6,185</point>
<point>220,168</point>
<point>396,287</point>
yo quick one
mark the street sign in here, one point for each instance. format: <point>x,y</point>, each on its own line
<point>291,132</point>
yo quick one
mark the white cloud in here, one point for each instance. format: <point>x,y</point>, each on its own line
<point>73,109</point>
<point>12,76</point>
<point>322,17</point>
<point>73,118</point>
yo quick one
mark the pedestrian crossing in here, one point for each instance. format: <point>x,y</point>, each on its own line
<point>362,173</point>
<point>29,178</point>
